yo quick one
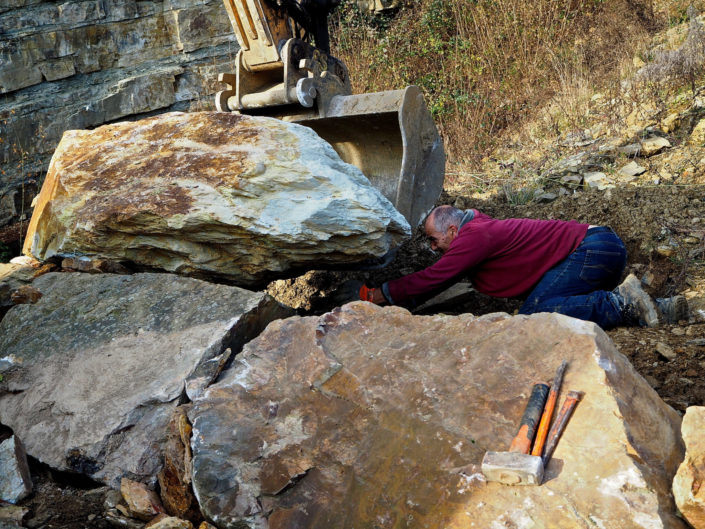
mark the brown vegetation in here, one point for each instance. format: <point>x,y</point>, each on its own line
<point>487,66</point>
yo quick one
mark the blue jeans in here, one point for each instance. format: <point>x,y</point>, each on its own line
<point>581,284</point>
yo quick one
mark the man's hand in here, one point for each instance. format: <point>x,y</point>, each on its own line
<point>373,295</point>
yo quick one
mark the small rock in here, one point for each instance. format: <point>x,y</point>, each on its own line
<point>121,522</point>
<point>678,331</point>
<point>93,266</point>
<point>25,295</point>
<point>158,518</point>
<point>666,351</point>
<point>545,198</point>
<point>633,149</point>
<point>44,269</point>
<point>171,522</point>
<point>15,480</point>
<point>112,499</point>
<point>667,250</point>
<point>697,137</point>
<point>12,513</point>
<point>691,240</point>
<point>648,278</point>
<point>572,179</point>
<point>597,180</point>
<point>688,172</point>
<point>25,260</point>
<point>670,123</point>
<point>142,502</point>
<point>654,145</point>
<point>206,525</point>
<point>697,341</point>
<point>632,169</point>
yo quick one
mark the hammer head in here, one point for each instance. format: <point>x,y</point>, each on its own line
<point>512,468</point>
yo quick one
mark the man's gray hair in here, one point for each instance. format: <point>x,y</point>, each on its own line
<point>446,216</point>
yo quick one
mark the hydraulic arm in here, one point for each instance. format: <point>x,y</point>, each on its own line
<point>284,69</point>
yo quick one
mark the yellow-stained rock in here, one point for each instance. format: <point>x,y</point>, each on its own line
<point>170,522</point>
<point>670,122</point>
<point>210,194</point>
<point>25,294</point>
<point>142,502</point>
<point>697,137</point>
<point>175,476</point>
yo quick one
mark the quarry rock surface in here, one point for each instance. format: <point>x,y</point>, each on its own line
<point>74,65</point>
<point>372,417</point>
<point>687,485</point>
<point>210,194</point>
<point>92,372</point>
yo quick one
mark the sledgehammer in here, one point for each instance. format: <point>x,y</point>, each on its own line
<point>517,466</point>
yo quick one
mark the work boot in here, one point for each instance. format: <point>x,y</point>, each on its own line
<point>673,309</point>
<point>637,306</point>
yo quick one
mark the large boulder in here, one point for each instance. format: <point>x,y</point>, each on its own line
<point>372,417</point>
<point>92,372</point>
<point>688,487</point>
<point>210,194</point>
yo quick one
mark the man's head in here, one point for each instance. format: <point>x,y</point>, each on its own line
<point>442,226</point>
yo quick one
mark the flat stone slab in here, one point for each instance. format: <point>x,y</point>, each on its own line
<point>372,417</point>
<point>91,373</point>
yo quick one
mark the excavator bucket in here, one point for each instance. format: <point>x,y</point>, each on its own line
<point>389,135</point>
<point>392,138</point>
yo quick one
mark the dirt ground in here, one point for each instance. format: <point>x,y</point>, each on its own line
<point>653,221</point>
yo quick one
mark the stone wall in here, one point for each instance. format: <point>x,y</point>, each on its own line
<point>82,63</point>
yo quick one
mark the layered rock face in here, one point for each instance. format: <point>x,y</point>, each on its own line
<point>210,194</point>
<point>83,63</point>
<point>371,417</point>
<point>92,372</point>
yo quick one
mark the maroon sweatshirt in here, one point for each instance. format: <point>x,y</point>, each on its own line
<point>502,258</point>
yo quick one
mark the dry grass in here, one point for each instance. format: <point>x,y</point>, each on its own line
<point>487,66</point>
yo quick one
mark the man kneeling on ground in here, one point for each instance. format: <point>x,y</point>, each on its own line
<point>559,266</point>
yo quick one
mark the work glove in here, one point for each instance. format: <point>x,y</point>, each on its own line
<point>353,290</point>
<point>367,293</point>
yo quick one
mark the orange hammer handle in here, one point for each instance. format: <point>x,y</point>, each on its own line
<point>569,404</point>
<point>548,411</point>
<point>530,420</point>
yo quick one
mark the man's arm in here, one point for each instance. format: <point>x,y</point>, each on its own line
<point>466,252</point>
